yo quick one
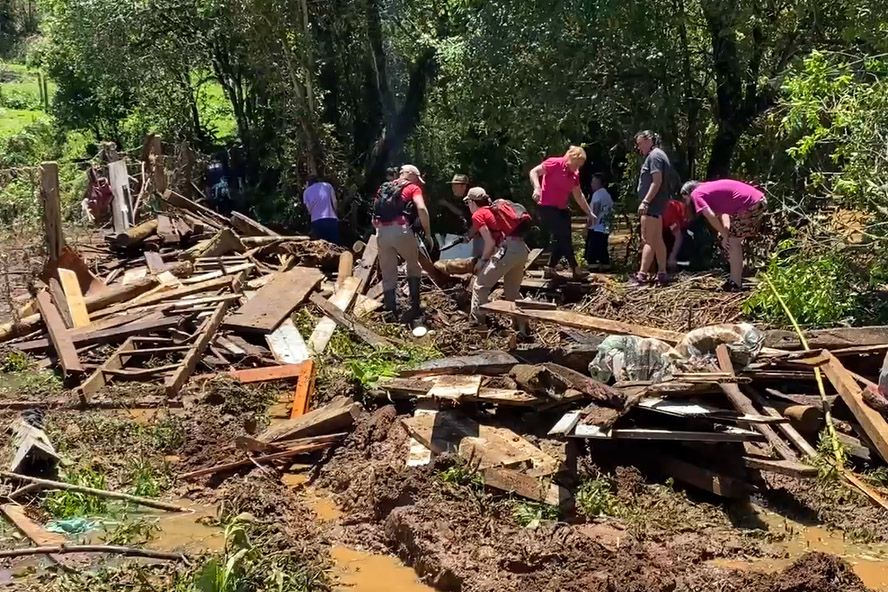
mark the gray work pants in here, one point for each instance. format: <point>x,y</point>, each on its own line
<point>507,264</point>
<point>392,241</point>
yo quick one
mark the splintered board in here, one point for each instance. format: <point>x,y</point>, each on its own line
<point>275,301</point>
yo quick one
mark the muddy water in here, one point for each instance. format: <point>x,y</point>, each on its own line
<point>364,572</point>
<point>187,532</point>
<point>869,561</point>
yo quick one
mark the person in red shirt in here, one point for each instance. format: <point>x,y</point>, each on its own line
<point>675,223</point>
<point>397,206</point>
<point>555,181</point>
<point>504,255</point>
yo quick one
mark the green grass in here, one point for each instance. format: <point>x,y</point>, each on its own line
<point>13,121</point>
<point>65,504</point>
<point>215,111</point>
<point>20,104</point>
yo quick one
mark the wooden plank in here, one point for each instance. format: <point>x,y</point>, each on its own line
<point>364,305</point>
<point>666,407</point>
<point>286,344</point>
<point>788,430</point>
<point>135,235</point>
<point>249,227</point>
<point>107,335</point>
<point>250,375</point>
<point>323,444</point>
<point>342,300</point>
<point>727,435</point>
<point>304,388</point>
<point>174,383</point>
<point>58,298</point>
<point>489,363</point>
<point>579,321</point>
<point>166,230</point>
<point>58,335</point>
<point>742,404</point>
<point>367,264</point>
<point>275,301</point>
<point>218,273</point>
<point>872,422</point>
<point>346,268</point>
<point>184,203</point>
<point>336,416</point>
<point>840,337</point>
<point>784,467</point>
<point>704,479</point>
<point>52,211</point>
<point>532,257</point>
<point>528,487</point>
<point>97,380</point>
<point>455,387</point>
<point>155,262</point>
<point>121,206</point>
<point>348,322</point>
<point>174,294</point>
<point>74,298</point>
<point>130,276</point>
<point>224,242</point>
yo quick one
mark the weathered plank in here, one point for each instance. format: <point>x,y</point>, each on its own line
<point>342,300</point>
<point>490,363</point>
<point>52,212</point>
<point>249,227</point>
<point>455,387</point>
<point>528,487</point>
<point>286,344</point>
<point>346,268</point>
<point>304,388</point>
<point>742,404</point>
<point>121,205</point>
<point>135,235</point>
<point>677,409</point>
<point>710,481</point>
<point>872,422</point>
<point>97,380</point>
<point>174,383</point>
<point>591,388</point>
<point>337,415</point>
<point>39,535</point>
<point>367,264</point>
<point>727,435</point>
<point>784,467</point>
<point>58,335</point>
<point>155,262</point>
<point>74,297</point>
<point>58,298</point>
<point>184,203</point>
<point>107,335</point>
<point>275,301</point>
<point>348,322</point>
<point>788,430</point>
<point>580,321</point>
<point>840,337</point>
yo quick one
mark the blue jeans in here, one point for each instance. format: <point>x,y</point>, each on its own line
<point>326,229</point>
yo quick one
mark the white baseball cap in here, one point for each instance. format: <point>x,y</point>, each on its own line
<point>409,168</point>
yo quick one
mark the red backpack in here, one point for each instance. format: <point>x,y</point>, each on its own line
<point>511,218</point>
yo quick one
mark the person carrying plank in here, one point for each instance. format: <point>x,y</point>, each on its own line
<point>554,182</point>
<point>735,210</point>
<point>398,205</point>
<point>501,225</point>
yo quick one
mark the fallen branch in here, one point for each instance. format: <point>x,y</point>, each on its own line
<point>257,459</point>
<point>113,549</point>
<point>47,484</point>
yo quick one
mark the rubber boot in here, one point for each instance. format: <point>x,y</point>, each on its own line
<point>390,303</point>
<point>413,284</point>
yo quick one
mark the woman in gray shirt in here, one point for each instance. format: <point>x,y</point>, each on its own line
<point>653,192</point>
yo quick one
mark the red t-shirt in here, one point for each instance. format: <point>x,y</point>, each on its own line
<point>410,191</point>
<point>484,217</point>
<point>675,214</point>
<point>558,182</point>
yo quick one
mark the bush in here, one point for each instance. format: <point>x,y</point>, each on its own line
<point>822,288</point>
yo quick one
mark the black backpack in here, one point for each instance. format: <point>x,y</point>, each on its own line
<point>388,205</point>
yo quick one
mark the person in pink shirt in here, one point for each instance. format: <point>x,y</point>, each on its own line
<point>735,210</point>
<point>554,182</point>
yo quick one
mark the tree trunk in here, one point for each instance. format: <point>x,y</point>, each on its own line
<point>392,140</point>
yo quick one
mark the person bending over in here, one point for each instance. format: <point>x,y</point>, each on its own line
<point>735,210</point>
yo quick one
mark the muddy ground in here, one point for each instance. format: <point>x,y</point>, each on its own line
<point>647,534</point>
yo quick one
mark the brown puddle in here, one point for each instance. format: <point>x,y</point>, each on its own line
<point>869,561</point>
<point>187,532</point>
<point>324,507</point>
<point>364,572</point>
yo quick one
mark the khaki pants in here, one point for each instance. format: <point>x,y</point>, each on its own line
<point>507,263</point>
<point>392,241</point>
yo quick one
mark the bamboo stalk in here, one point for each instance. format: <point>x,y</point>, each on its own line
<point>47,484</point>
<point>114,549</point>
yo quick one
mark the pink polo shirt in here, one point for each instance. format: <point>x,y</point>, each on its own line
<point>725,196</point>
<point>558,182</point>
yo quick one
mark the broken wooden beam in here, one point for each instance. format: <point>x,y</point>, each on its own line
<point>82,338</point>
<point>135,235</point>
<point>174,383</point>
<point>367,264</point>
<point>532,488</point>
<point>337,415</point>
<point>304,388</point>
<point>249,227</point>
<point>74,298</point>
<point>490,363</point>
<point>580,321</point>
<point>341,299</point>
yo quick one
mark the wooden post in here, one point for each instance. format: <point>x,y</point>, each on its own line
<point>121,205</point>
<point>155,158</point>
<point>52,211</point>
